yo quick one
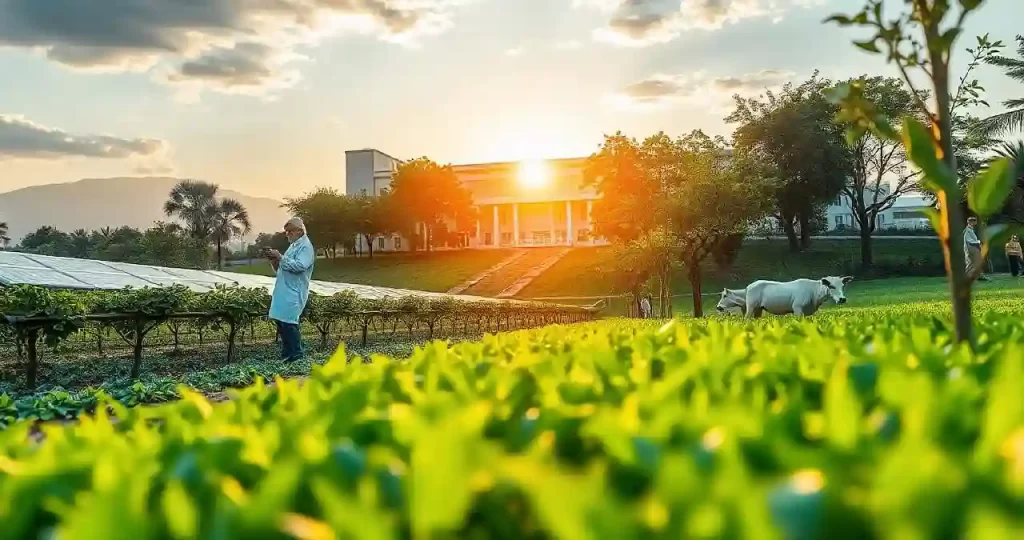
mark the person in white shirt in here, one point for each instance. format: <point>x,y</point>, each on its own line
<point>645,308</point>
<point>972,248</point>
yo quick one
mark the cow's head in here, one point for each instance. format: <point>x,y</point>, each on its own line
<point>834,286</point>
<point>732,300</point>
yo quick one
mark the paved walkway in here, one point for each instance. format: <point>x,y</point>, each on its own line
<point>532,274</point>
<point>460,288</point>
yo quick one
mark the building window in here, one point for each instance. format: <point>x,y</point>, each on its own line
<point>398,242</point>
<point>839,221</point>
<point>380,242</point>
<point>487,239</point>
<point>907,215</point>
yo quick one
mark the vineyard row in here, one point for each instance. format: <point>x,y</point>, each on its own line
<point>30,315</point>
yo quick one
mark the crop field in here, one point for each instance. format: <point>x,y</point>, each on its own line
<point>861,422</point>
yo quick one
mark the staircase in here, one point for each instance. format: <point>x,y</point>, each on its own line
<point>507,278</point>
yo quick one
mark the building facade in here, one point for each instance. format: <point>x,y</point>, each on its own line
<point>520,204</point>
<point>906,213</point>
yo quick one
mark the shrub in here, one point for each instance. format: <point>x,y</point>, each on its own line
<point>854,424</point>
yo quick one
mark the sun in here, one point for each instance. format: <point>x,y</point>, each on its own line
<point>534,174</point>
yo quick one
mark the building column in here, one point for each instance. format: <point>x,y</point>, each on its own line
<point>568,223</point>
<point>479,239</point>
<point>590,221</point>
<point>496,229</point>
<point>551,223</point>
<point>515,224</point>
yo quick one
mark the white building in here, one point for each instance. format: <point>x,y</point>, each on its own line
<point>521,204</point>
<point>905,213</point>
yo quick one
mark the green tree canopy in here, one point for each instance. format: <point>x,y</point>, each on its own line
<point>794,132</point>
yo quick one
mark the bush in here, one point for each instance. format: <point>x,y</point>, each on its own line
<point>856,424</point>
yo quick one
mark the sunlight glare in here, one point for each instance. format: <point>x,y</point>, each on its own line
<point>534,173</point>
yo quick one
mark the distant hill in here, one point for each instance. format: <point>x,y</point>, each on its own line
<point>94,203</point>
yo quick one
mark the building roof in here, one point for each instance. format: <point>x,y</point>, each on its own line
<point>375,150</point>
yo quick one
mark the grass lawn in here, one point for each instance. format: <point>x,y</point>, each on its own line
<point>592,272</point>
<point>434,272</point>
<point>926,294</point>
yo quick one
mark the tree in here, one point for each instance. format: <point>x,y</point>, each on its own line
<point>329,217</point>
<point>639,260</point>
<point>230,220</point>
<point>4,239</point>
<point>919,39</point>
<point>794,132</point>
<point>80,244</point>
<point>1013,119</point>
<point>46,240</point>
<point>634,180</point>
<point>715,202</point>
<point>278,241</point>
<point>1013,210</point>
<point>370,217</point>
<point>881,171</point>
<point>195,204</point>
<point>627,175</point>
<point>428,193</point>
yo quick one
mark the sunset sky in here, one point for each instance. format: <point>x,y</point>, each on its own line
<point>264,96</point>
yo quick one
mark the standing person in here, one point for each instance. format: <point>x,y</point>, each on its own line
<point>972,248</point>
<point>645,307</point>
<point>1015,256</point>
<point>294,270</point>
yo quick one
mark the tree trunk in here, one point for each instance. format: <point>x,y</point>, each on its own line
<point>33,358</point>
<point>137,349</point>
<point>220,257</point>
<point>866,258</point>
<point>232,332</point>
<point>787,226</point>
<point>959,285</point>
<point>805,231</point>
<point>369,242</point>
<point>698,303</point>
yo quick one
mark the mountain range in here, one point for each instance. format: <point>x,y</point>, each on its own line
<point>94,203</point>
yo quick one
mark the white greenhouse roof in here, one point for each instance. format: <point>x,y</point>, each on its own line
<point>85,274</point>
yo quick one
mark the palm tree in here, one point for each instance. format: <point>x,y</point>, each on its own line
<point>195,204</point>
<point>230,219</point>
<point>4,239</point>
<point>1014,151</point>
<point>1013,119</point>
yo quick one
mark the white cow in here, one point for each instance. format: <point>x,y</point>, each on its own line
<point>732,300</point>
<point>801,297</point>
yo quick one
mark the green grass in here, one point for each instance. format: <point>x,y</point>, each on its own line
<point>591,271</point>
<point>433,272</point>
<point>861,423</point>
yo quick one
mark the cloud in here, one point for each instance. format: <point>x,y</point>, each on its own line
<point>641,23</point>
<point>660,90</point>
<point>202,36</point>
<point>243,68</point>
<point>517,51</point>
<point>21,138</point>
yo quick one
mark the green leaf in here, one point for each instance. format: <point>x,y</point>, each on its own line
<point>998,234</point>
<point>947,38</point>
<point>987,193</point>
<point>922,151</point>
<point>970,5</point>
<point>842,409</point>
<point>868,45</point>
<point>841,20</point>
<point>935,218</point>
